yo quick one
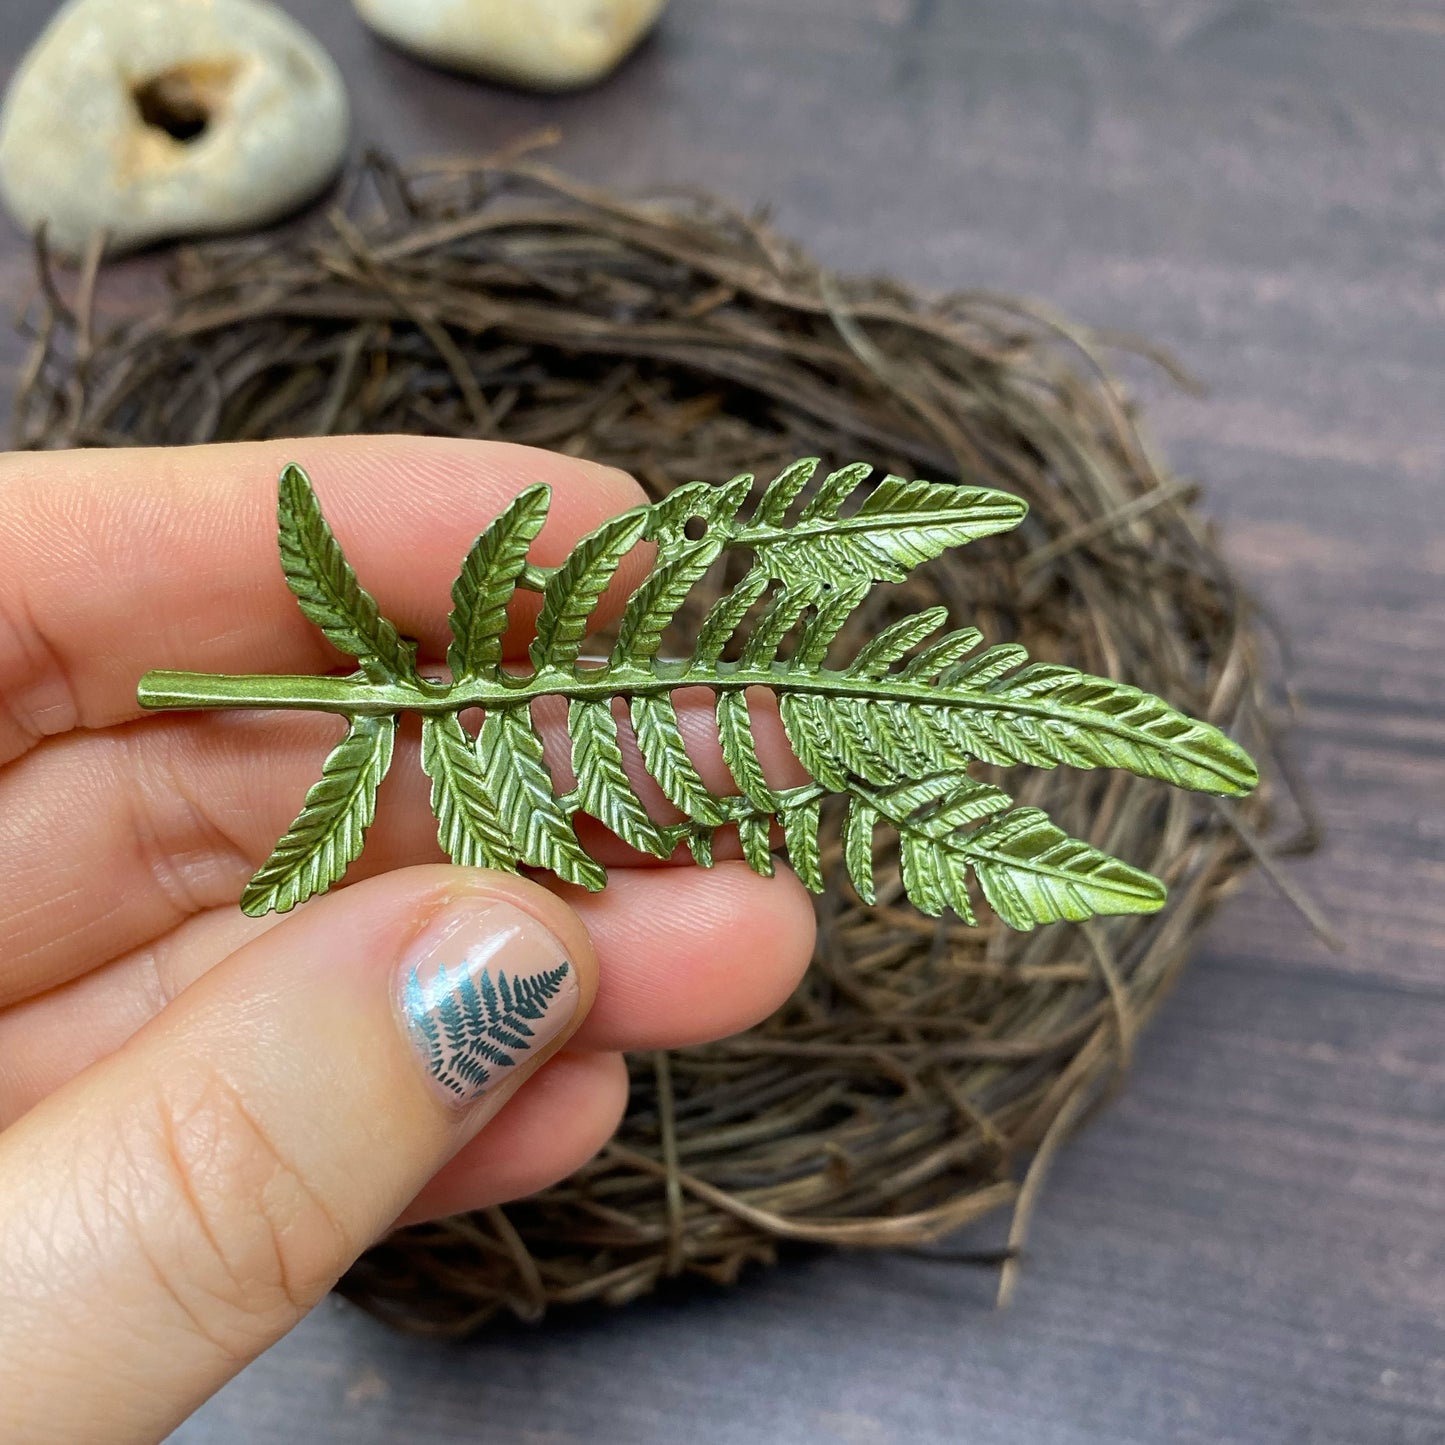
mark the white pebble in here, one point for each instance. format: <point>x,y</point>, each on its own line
<point>545,44</point>
<point>161,118</point>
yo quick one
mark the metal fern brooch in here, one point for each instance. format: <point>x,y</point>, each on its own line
<point>892,731</point>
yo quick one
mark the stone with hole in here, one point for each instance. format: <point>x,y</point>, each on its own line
<point>543,44</point>
<point>148,119</point>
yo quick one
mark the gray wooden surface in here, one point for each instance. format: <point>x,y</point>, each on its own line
<point>1250,1247</point>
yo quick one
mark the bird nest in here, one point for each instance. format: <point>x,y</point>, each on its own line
<point>924,1072</point>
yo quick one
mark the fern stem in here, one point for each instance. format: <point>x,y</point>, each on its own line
<point>357,696</point>
<point>352,697</point>
<point>533,578</point>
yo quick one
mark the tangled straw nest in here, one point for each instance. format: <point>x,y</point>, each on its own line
<point>924,1072</point>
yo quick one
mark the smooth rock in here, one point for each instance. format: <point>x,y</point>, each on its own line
<point>544,44</point>
<point>161,118</point>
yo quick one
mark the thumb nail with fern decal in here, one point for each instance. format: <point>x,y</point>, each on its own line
<point>483,992</point>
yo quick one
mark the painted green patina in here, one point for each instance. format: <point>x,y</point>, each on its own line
<point>892,731</point>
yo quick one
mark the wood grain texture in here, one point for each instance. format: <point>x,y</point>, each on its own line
<point>1250,1245</point>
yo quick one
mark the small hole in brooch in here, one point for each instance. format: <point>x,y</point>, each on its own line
<point>695,529</point>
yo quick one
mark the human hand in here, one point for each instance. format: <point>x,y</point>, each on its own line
<point>207,1117</point>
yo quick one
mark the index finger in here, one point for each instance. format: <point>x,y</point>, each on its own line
<point>113,562</point>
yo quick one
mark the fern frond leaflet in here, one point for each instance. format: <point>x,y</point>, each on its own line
<point>603,787</point>
<point>323,583</point>
<point>484,588</point>
<point>469,827</point>
<point>574,589</point>
<point>328,834</point>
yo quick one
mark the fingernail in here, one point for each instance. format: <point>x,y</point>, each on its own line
<point>481,992</point>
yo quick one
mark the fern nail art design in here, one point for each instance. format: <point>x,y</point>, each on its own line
<point>486,992</point>
<point>890,734</point>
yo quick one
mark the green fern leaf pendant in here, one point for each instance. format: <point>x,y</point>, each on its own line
<point>893,731</point>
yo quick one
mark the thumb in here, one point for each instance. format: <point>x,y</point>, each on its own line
<point>179,1206</point>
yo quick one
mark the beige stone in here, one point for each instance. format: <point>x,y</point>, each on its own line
<point>160,118</point>
<point>545,44</point>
